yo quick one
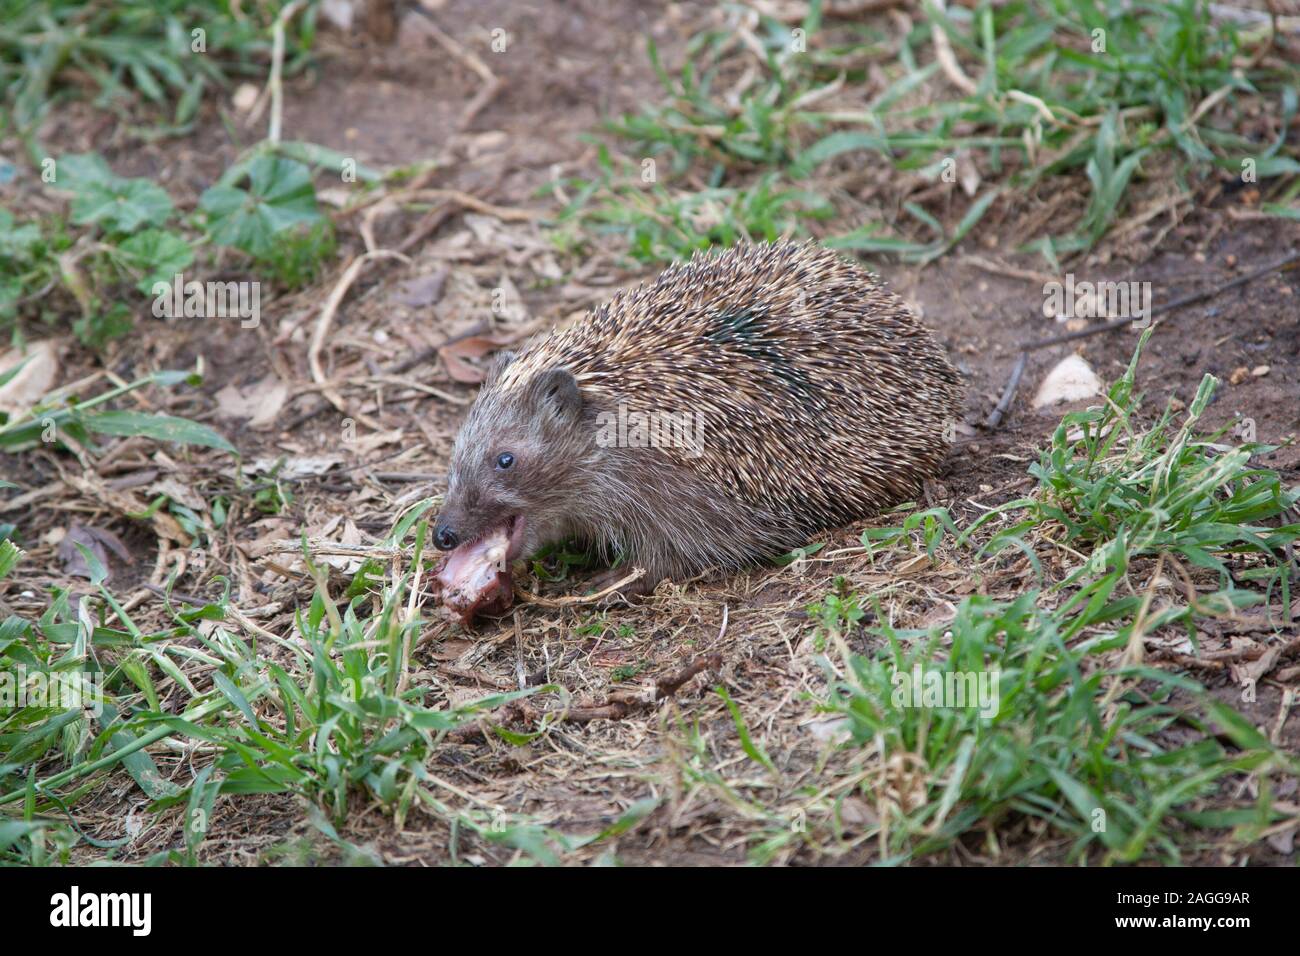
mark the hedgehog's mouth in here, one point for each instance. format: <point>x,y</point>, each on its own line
<point>474,578</point>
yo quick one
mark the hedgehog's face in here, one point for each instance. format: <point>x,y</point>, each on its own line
<point>516,468</point>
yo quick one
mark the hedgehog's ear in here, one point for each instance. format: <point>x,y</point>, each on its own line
<point>557,391</point>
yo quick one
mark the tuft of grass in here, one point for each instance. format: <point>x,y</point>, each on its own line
<point>658,225</point>
<point>166,53</point>
<point>1099,90</point>
<point>1164,490</point>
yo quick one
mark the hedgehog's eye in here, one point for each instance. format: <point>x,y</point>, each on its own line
<point>505,460</point>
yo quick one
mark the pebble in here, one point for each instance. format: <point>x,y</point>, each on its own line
<point>1071,380</point>
<point>245,97</point>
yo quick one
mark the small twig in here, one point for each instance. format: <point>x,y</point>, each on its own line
<point>1191,298</point>
<point>326,319</point>
<point>491,83</point>
<point>943,53</point>
<point>530,598</point>
<point>504,213</point>
<point>1003,269</point>
<point>1009,393</point>
<point>671,685</point>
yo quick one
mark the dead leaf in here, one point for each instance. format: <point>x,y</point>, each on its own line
<point>178,492</point>
<point>340,13</point>
<point>857,814</point>
<point>127,505</point>
<point>294,466</point>
<point>98,541</point>
<point>272,532</point>
<point>260,402</point>
<point>913,565</point>
<point>36,378</point>
<point>363,445</point>
<point>828,730</point>
<point>942,614</point>
<point>967,174</point>
<point>455,356</point>
<point>450,649</point>
<point>1283,842</point>
<point>518,241</point>
<point>245,97</point>
<point>421,291</point>
<point>507,303</point>
<point>1254,620</point>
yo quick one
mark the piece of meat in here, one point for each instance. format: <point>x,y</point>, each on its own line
<point>475,579</point>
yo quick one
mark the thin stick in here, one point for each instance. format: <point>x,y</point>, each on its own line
<point>531,598</point>
<point>1290,262</point>
<point>326,319</point>
<point>491,83</point>
<point>617,706</point>
<point>943,53</point>
<point>469,202</point>
<point>995,417</point>
<point>191,599</point>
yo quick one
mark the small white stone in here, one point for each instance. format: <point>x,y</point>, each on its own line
<point>245,97</point>
<point>1071,380</point>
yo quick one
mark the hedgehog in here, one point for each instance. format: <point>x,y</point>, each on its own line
<point>721,415</point>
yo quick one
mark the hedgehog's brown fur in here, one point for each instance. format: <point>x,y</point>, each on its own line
<point>822,401</point>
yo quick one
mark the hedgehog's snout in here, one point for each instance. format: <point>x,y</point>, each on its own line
<point>444,537</point>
